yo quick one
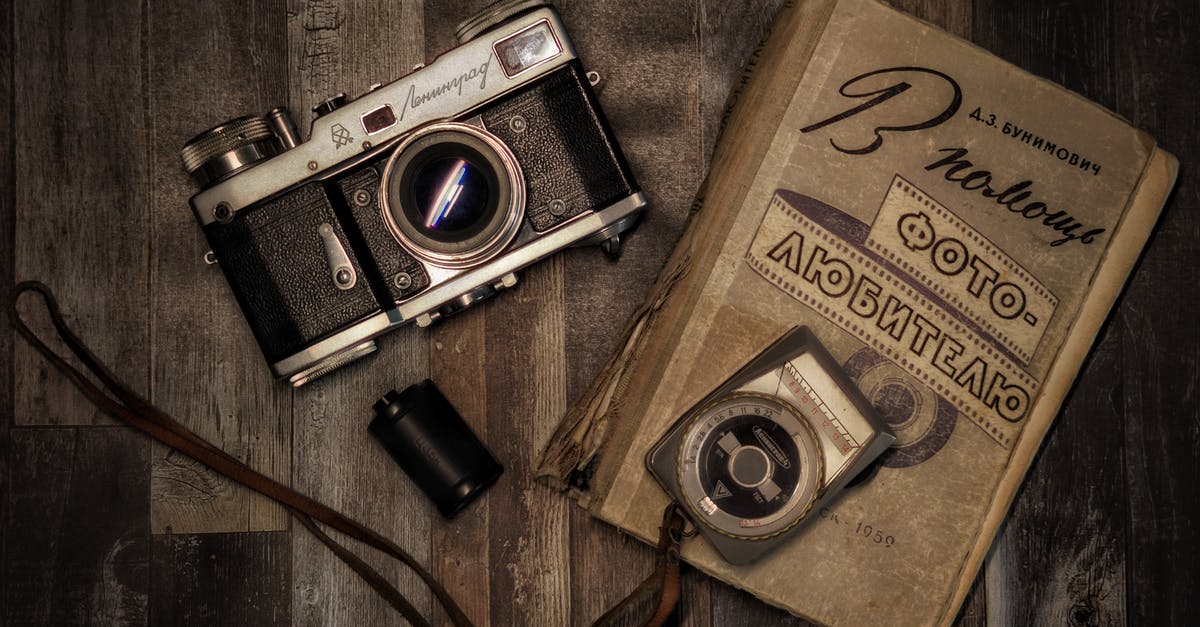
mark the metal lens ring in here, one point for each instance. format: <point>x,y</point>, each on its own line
<point>750,466</point>
<point>454,195</point>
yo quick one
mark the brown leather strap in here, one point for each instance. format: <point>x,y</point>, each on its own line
<point>125,405</point>
<point>664,581</point>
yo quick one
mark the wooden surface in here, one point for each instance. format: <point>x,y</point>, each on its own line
<point>101,527</point>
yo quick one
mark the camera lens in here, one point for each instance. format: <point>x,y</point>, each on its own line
<point>451,196</point>
<point>454,195</point>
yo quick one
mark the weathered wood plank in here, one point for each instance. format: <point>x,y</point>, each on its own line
<point>7,224</point>
<point>1156,393</point>
<point>696,599</point>
<point>341,465</point>
<point>77,538</point>
<point>206,368</point>
<point>458,364</point>
<point>75,500</point>
<point>345,47</point>
<point>529,537</point>
<point>221,579</point>
<point>1061,557</point>
<point>1154,48</point>
<point>660,138</point>
<point>80,183</point>
<point>460,547</point>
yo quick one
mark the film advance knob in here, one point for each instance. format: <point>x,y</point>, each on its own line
<point>227,148</point>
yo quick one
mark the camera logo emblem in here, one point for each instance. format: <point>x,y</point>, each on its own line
<point>340,135</point>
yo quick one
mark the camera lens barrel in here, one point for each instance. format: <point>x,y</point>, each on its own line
<point>453,195</point>
<point>434,446</point>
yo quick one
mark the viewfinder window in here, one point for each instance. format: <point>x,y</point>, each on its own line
<point>378,120</point>
<point>530,47</point>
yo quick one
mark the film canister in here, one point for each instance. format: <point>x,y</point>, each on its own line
<point>434,446</point>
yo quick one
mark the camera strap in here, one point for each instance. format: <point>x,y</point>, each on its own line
<point>663,582</point>
<point>117,400</point>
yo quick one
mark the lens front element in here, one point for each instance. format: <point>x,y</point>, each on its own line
<point>454,195</point>
<point>451,196</point>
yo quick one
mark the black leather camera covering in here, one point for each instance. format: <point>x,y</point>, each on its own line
<point>275,262</point>
<point>564,146</point>
<point>387,258</point>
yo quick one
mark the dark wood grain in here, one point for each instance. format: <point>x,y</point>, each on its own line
<point>1061,556</point>
<point>528,538</point>
<point>345,47</point>
<point>78,535</point>
<point>7,227</point>
<point>98,97</point>
<point>80,172</point>
<point>75,519</point>
<point>1158,337</point>
<point>460,549</point>
<point>206,376</point>
<point>221,579</point>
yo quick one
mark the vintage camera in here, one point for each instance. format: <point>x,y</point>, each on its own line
<point>416,200</point>
<point>772,444</point>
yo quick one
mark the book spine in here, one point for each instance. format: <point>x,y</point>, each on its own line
<point>573,459</point>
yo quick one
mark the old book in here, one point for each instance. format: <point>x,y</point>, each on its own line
<point>953,229</point>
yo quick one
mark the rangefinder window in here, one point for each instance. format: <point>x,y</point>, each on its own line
<point>379,120</point>
<point>527,49</point>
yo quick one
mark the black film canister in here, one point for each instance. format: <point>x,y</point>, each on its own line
<point>432,443</point>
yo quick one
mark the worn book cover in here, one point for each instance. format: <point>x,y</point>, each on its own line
<point>953,229</point>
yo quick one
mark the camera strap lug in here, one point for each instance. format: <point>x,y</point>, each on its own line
<point>612,246</point>
<point>210,258</point>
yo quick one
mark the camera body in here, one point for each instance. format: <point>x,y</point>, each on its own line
<point>779,439</point>
<point>417,199</point>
